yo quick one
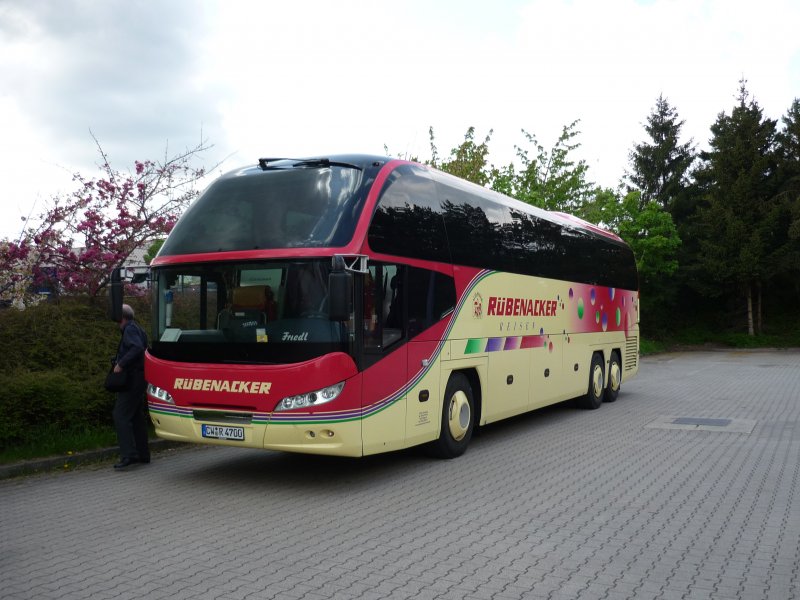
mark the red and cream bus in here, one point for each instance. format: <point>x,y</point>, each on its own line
<point>352,305</point>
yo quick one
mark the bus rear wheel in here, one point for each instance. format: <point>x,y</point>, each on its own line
<point>458,419</point>
<point>614,378</point>
<point>594,395</point>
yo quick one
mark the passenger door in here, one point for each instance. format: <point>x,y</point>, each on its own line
<point>385,358</point>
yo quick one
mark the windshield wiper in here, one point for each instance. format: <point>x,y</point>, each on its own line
<point>264,163</point>
<point>318,163</point>
<point>324,162</point>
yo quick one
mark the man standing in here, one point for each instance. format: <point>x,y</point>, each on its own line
<point>129,405</point>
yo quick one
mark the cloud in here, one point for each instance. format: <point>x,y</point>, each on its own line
<point>126,70</point>
<point>607,62</point>
<point>317,77</point>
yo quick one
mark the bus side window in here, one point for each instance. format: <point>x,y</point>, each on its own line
<point>431,296</point>
<point>371,300</point>
<point>383,306</point>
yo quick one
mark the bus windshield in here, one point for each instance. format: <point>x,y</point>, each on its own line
<point>300,205</point>
<point>268,312</point>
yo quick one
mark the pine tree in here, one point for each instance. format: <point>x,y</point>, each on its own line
<point>738,176</point>
<point>786,213</point>
<point>659,168</point>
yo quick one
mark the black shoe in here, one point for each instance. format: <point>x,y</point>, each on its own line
<point>144,461</point>
<point>125,463</point>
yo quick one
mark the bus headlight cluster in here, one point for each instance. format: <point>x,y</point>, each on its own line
<point>311,398</point>
<point>159,394</point>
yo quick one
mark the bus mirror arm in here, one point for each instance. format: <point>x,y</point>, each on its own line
<point>340,292</point>
<point>115,292</point>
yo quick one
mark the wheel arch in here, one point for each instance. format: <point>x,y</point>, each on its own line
<point>474,380</point>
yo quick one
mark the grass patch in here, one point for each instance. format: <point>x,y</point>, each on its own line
<point>55,441</point>
<point>647,347</point>
<point>742,340</point>
<point>703,337</point>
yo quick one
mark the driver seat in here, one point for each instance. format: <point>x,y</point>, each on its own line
<point>249,308</point>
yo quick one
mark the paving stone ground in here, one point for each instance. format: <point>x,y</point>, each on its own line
<point>560,503</point>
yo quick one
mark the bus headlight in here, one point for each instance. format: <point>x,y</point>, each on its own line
<point>311,398</point>
<point>159,394</point>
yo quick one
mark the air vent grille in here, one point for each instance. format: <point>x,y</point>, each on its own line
<point>631,353</point>
<point>218,416</point>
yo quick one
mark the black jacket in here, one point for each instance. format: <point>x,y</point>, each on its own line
<point>130,354</point>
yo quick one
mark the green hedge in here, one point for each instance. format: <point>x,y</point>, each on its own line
<point>53,360</point>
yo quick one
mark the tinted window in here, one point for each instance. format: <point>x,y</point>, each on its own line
<point>491,232</point>
<point>295,207</point>
<point>383,306</point>
<point>480,231</point>
<point>408,217</point>
<point>591,258</point>
<point>400,300</point>
<point>419,219</point>
<point>431,295</point>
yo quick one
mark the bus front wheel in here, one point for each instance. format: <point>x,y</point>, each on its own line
<point>458,418</point>
<point>594,395</point>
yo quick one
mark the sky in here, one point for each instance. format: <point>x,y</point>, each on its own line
<point>263,78</point>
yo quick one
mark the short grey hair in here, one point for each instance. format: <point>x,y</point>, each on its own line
<point>127,312</point>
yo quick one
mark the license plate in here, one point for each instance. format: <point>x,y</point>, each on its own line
<point>218,432</point>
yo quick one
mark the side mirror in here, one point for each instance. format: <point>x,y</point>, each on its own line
<point>115,296</point>
<point>340,295</point>
<point>340,291</point>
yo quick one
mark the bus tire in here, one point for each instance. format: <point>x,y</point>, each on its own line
<point>614,378</point>
<point>458,418</point>
<point>594,394</point>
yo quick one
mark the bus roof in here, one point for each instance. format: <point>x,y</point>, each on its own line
<point>315,206</point>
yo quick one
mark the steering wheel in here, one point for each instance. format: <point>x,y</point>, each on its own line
<point>313,314</point>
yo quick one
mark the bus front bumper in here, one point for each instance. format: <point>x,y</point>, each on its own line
<point>312,437</point>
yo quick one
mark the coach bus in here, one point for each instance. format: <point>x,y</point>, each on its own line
<point>352,305</point>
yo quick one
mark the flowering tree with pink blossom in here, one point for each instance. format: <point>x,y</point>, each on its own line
<point>83,235</point>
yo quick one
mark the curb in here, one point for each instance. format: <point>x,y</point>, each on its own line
<point>68,461</point>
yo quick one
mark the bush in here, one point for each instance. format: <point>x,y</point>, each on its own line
<point>53,361</point>
<point>30,400</point>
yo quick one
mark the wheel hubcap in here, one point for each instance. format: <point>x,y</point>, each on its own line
<point>615,377</point>
<point>597,381</point>
<point>458,415</point>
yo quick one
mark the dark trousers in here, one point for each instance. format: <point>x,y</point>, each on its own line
<point>129,421</point>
